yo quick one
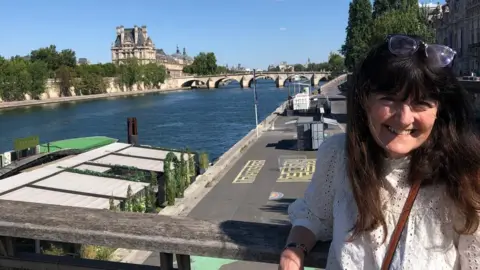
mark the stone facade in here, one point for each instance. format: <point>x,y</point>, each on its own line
<point>458,26</point>
<point>473,21</point>
<point>135,43</point>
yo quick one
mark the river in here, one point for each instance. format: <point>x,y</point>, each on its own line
<point>203,120</point>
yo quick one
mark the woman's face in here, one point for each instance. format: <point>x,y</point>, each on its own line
<point>398,125</point>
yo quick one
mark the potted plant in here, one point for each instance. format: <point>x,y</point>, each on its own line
<point>204,162</point>
<point>191,168</point>
<point>180,184</point>
<point>169,174</point>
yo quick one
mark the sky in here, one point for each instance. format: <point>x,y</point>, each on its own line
<point>254,33</point>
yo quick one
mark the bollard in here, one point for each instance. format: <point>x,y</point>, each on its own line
<point>132,131</point>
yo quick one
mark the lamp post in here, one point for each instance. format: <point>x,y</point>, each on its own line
<point>255,99</point>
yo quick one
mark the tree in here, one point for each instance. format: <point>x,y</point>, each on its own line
<point>203,64</point>
<point>39,75</point>
<point>380,7</point>
<point>54,59</point>
<point>66,76</point>
<point>169,175</point>
<point>154,75</point>
<point>336,64</point>
<point>358,32</point>
<point>408,21</point>
<point>299,67</point>
<point>130,72</point>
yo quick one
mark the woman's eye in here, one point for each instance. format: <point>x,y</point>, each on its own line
<point>423,105</point>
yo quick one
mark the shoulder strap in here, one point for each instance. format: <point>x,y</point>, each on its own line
<point>392,245</point>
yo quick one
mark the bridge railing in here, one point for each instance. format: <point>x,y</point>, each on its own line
<point>169,236</point>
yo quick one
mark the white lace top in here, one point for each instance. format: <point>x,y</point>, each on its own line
<point>429,240</point>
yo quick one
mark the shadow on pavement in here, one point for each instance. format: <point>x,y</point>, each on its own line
<point>340,117</point>
<point>288,144</point>
<point>278,206</point>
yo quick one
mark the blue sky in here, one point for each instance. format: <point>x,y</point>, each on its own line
<point>255,33</point>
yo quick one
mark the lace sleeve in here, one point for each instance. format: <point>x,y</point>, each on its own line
<point>469,249</point>
<point>315,210</point>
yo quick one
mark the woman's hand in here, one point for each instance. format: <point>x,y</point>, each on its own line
<point>291,259</point>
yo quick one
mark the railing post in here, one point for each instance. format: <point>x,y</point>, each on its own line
<point>132,131</point>
<point>183,262</point>
<point>7,246</point>
<point>166,261</point>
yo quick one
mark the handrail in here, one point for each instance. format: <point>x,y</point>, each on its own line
<point>238,240</point>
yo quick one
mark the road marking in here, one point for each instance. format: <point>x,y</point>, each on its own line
<point>249,172</point>
<point>296,170</point>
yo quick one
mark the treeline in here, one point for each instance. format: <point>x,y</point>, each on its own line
<point>28,74</point>
<point>335,65</point>
<point>369,24</point>
<point>205,64</point>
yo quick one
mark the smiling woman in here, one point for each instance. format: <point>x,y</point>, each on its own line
<point>401,189</point>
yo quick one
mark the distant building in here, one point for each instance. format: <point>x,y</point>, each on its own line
<point>455,27</point>
<point>135,43</point>
<point>284,67</point>
<point>83,61</point>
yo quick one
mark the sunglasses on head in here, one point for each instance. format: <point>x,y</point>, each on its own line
<point>438,55</point>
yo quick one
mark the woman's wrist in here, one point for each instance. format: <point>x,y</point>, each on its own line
<point>294,253</point>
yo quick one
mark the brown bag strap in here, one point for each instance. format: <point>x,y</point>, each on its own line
<point>407,207</point>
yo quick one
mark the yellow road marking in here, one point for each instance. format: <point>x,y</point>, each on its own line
<point>297,170</point>
<point>249,172</point>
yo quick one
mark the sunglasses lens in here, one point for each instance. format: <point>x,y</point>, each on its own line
<point>440,55</point>
<point>402,45</point>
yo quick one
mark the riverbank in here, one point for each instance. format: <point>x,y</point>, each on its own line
<point>25,103</point>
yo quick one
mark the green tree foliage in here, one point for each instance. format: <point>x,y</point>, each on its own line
<point>90,80</point>
<point>357,41</point>
<point>336,64</point>
<point>367,28</point>
<point>28,75</point>
<point>66,76</point>
<point>179,167</point>
<point>130,72</point>
<point>169,175</point>
<point>154,75</point>
<point>203,64</point>
<point>54,59</point>
<point>39,75</point>
<point>129,200</point>
<point>407,21</point>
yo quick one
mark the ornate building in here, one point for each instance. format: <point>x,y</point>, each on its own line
<point>454,28</point>
<point>473,21</point>
<point>135,43</point>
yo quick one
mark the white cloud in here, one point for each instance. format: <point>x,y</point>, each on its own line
<point>283,28</point>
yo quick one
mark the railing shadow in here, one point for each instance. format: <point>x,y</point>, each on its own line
<point>264,242</point>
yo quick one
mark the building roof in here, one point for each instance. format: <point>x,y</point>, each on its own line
<point>35,195</point>
<point>90,185</point>
<point>129,37</point>
<point>52,184</point>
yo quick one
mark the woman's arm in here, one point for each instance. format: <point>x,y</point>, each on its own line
<point>312,215</point>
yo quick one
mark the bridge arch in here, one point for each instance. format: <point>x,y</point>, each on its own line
<point>219,81</point>
<point>322,79</point>
<point>306,77</point>
<point>268,77</point>
<point>193,83</point>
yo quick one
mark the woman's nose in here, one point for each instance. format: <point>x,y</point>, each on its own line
<point>404,114</point>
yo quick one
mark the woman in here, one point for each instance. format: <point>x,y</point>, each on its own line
<point>410,134</point>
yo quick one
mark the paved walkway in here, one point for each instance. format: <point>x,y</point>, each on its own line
<point>243,192</point>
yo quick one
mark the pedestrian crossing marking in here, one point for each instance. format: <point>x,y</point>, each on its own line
<point>297,170</point>
<point>249,172</point>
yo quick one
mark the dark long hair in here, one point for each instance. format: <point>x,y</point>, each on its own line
<point>451,154</point>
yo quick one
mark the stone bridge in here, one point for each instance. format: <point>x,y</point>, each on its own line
<point>246,79</point>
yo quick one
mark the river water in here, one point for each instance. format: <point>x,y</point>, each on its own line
<point>203,120</point>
